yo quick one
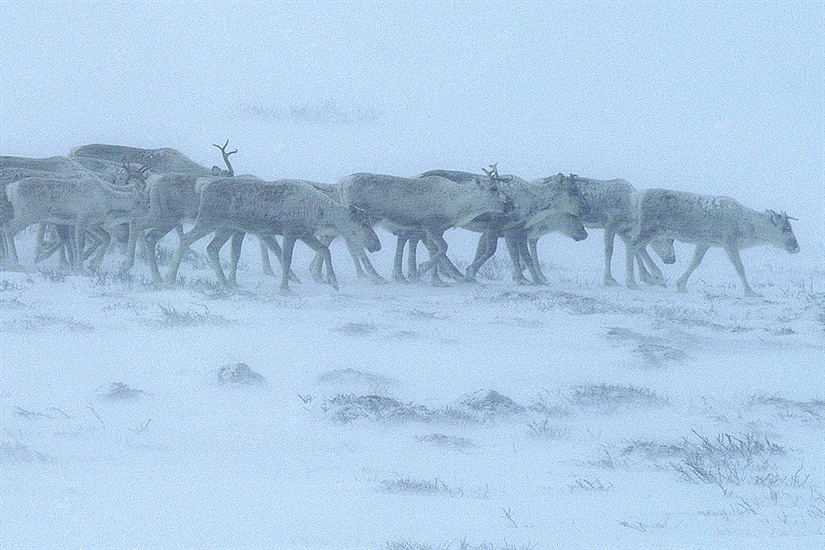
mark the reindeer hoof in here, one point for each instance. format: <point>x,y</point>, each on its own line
<point>611,282</point>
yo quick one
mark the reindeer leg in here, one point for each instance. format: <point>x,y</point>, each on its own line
<point>235,256</point>
<point>286,262</point>
<point>213,250</point>
<point>733,253</point>
<point>451,271</point>
<point>323,249</point>
<point>105,239</point>
<point>273,245</point>
<point>681,284</point>
<point>532,266</point>
<point>185,242</point>
<point>368,267</point>
<point>437,247</point>
<point>486,248</point>
<point>533,251</point>
<point>10,230</point>
<point>129,261</point>
<point>413,272</point>
<point>266,267</point>
<point>654,274</point>
<point>398,261</point>
<point>151,239</point>
<point>515,258</point>
<point>317,265</point>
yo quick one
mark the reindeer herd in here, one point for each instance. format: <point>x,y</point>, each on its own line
<point>101,193</point>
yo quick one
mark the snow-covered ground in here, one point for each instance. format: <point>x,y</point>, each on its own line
<point>406,416</point>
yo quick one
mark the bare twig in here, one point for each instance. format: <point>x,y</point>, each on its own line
<point>94,412</point>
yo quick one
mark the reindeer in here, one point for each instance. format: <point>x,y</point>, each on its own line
<point>557,222</point>
<point>709,221</point>
<point>17,168</point>
<point>164,160</point>
<point>610,208</point>
<point>292,208</point>
<point>83,202</point>
<point>430,205</point>
<point>532,203</point>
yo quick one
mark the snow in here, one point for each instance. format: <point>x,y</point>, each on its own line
<point>620,419</point>
<point>376,425</point>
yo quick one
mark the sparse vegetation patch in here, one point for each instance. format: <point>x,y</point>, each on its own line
<point>357,329</point>
<point>725,460</point>
<point>492,403</point>
<point>346,408</point>
<point>15,453</point>
<point>40,322</point>
<point>374,384</point>
<point>786,408</point>
<point>172,317</point>
<point>118,391</point>
<point>241,374</point>
<point>420,487</point>
<point>477,408</point>
<point>586,485</point>
<point>447,441</point>
<point>651,350</point>
<point>610,396</point>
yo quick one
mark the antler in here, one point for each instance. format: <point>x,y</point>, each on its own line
<point>139,174</point>
<point>226,156</point>
<point>493,174</point>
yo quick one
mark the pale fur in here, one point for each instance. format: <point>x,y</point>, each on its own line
<point>611,208</point>
<point>709,221</point>
<point>83,202</point>
<point>430,204</point>
<point>58,168</point>
<point>292,208</point>
<point>531,202</point>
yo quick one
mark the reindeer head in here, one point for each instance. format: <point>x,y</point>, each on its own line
<point>492,185</point>
<point>361,233</point>
<point>782,233</point>
<point>135,176</point>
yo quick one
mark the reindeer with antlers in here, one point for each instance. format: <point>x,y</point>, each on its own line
<point>531,204</point>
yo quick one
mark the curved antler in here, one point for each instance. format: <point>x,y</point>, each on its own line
<point>226,156</point>
<point>139,174</point>
<point>493,174</point>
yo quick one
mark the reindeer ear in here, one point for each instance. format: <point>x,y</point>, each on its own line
<point>776,218</point>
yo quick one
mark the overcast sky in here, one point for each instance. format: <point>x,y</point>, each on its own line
<point>721,98</point>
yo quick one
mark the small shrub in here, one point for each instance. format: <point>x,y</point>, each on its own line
<point>357,329</point>
<point>419,487</point>
<point>15,453</point>
<point>117,391</point>
<point>611,396</point>
<point>174,318</point>
<point>585,485</point>
<point>53,276</point>
<point>239,373</point>
<point>6,285</point>
<point>450,441</point>
<point>210,288</point>
<point>347,408</point>
<point>786,408</point>
<point>492,403</point>
<point>546,430</point>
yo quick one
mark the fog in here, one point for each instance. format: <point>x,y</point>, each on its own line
<point>722,98</point>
